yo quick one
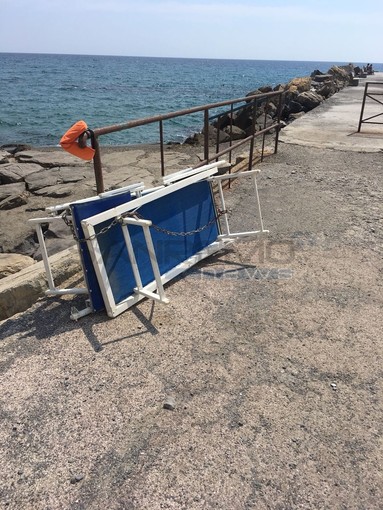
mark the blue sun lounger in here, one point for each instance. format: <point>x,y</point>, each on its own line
<point>133,242</point>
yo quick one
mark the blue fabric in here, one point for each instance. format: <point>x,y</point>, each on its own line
<point>181,211</point>
<point>85,210</point>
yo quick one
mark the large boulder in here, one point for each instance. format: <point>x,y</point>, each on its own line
<point>19,291</point>
<point>4,157</point>
<point>214,133</point>
<point>258,92</point>
<point>8,190</point>
<point>309,100</point>
<point>224,120</point>
<point>235,132</point>
<point>50,159</point>
<point>53,178</point>
<point>340,74</point>
<point>244,117</point>
<point>13,148</point>
<point>299,84</point>
<point>321,78</point>
<point>57,191</point>
<point>14,201</point>
<point>327,89</point>
<point>295,107</point>
<point>16,172</point>
<point>69,174</point>
<point>43,178</point>
<point>265,89</point>
<point>11,263</point>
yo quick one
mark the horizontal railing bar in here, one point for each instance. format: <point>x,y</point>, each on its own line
<point>171,115</point>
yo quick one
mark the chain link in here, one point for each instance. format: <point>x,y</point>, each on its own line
<point>67,219</point>
<point>180,234</point>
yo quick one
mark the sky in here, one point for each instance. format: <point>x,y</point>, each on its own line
<point>339,31</point>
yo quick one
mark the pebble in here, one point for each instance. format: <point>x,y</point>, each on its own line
<point>169,403</point>
<point>76,478</point>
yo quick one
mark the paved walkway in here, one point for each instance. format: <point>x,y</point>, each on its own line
<point>334,124</point>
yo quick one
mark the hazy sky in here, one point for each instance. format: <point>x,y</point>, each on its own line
<point>330,30</point>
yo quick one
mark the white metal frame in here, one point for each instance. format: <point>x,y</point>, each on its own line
<point>56,213</point>
<point>235,235</point>
<point>153,290</point>
<point>188,172</point>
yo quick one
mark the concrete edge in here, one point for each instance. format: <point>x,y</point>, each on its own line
<point>21,290</point>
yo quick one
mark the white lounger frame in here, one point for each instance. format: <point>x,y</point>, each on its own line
<point>56,213</point>
<point>235,235</point>
<point>155,289</point>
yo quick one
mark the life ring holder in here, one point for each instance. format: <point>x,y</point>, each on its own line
<point>74,141</point>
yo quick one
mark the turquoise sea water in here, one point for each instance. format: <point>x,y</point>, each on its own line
<point>41,96</point>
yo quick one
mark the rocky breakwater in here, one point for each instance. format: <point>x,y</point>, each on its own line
<point>29,181</point>
<point>300,96</point>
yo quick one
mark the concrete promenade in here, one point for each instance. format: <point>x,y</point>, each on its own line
<point>271,352</point>
<point>334,124</point>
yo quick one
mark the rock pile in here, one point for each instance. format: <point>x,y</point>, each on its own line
<point>27,178</point>
<point>300,95</point>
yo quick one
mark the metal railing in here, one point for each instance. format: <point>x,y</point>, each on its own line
<point>374,95</point>
<point>251,104</point>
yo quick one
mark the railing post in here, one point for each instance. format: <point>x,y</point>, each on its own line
<point>217,137</point>
<point>264,127</point>
<point>98,166</point>
<point>206,135</point>
<point>162,148</point>
<point>362,110</point>
<point>251,151</point>
<point>281,96</point>
<point>231,132</point>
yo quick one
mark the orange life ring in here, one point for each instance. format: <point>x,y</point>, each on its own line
<point>69,141</point>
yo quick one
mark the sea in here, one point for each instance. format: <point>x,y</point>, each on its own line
<point>42,95</point>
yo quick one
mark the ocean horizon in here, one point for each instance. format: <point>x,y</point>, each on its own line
<point>42,95</point>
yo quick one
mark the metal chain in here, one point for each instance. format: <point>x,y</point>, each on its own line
<point>67,220</point>
<point>181,234</point>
